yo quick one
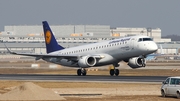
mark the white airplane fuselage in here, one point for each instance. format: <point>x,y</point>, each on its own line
<point>110,52</point>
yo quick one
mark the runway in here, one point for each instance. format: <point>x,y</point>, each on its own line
<point>88,78</point>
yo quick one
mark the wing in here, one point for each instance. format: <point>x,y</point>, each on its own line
<point>40,56</point>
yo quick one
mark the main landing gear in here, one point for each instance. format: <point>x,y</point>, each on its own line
<point>81,71</point>
<point>114,71</point>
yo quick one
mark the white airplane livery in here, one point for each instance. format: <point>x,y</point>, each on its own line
<point>132,50</point>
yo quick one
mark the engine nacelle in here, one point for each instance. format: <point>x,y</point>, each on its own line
<point>87,61</point>
<point>137,62</point>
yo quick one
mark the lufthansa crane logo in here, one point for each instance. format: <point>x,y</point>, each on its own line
<point>48,37</point>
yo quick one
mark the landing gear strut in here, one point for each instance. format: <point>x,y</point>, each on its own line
<point>143,61</point>
<point>114,71</point>
<point>81,71</point>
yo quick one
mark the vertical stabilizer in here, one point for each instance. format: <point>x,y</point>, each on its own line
<point>51,43</point>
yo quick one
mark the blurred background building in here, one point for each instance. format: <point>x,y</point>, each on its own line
<point>27,38</point>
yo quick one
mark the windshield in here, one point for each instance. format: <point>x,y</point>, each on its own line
<point>145,39</point>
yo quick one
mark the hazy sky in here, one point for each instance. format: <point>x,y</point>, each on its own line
<point>164,14</point>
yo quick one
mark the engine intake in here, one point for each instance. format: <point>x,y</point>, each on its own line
<point>136,62</point>
<point>87,61</point>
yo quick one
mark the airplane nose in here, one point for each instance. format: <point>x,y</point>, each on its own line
<point>153,47</point>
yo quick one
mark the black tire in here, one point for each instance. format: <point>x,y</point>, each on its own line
<point>84,73</point>
<point>79,72</point>
<point>178,95</point>
<point>111,72</point>
<point>163,94</point>
<point>116,72</point>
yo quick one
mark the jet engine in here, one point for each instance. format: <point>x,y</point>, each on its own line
<point>87,61</point>
<point>137,62</point>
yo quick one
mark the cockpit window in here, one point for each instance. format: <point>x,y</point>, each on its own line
<point>145,39</point>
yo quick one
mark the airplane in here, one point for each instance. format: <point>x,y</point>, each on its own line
<point>132,50</point>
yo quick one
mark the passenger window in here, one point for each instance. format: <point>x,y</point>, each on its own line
<point>177,82</point>
<point>172,81</point>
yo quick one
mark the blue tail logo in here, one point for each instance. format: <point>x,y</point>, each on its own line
<point>51,43</point>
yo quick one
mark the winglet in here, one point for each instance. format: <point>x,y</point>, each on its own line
<point>9,50</point>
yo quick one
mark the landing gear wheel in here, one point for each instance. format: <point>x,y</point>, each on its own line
<point>116,72</point>
<point>84,72</point>
<point>79,72</point>
<point>111,72</point>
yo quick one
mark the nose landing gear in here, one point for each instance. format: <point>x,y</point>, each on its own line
<point>143,61</point>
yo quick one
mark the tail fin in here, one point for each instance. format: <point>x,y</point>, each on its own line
<point>51,43</point>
